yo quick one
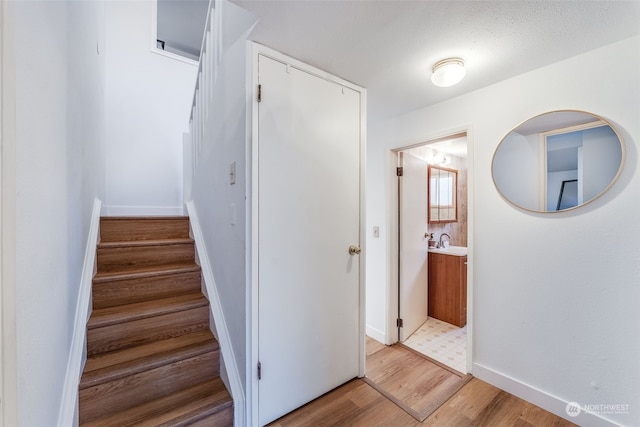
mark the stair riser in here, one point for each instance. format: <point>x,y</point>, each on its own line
<point>118,229</point>
<point>128,291</point>
<point>127,334</point>
<point>122,259</point>
<point>134,390</point>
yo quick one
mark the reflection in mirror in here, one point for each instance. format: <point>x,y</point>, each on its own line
<point>179,26</point>
<point>442,198</point>
<point>568,196</point>
<point>557,161</point>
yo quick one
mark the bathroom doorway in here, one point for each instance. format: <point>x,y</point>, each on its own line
<point>423,327</point>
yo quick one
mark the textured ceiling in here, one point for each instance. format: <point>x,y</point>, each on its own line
<point>389,46</point>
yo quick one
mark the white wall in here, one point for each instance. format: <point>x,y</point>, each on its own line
<point>554,316</point>
<point>216,201</point>
<point>59,125</point>
<point>378,250</point>
<point>148,99</point>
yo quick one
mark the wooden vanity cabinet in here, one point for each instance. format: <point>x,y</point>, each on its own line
<point>447,288</point>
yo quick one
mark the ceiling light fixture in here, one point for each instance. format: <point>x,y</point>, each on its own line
<point>438,159</point>
<point>448,72</point>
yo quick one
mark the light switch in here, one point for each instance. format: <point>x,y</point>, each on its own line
<point>232,173</point>
<point>376,231</point>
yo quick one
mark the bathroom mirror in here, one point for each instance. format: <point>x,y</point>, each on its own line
<point>558,161</point>
<point>442,197</point>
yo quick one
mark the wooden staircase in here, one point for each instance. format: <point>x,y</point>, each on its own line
<point>151,357</point>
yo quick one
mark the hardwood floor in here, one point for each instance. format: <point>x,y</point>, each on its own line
<point>477,403</point>
<point>353,404</point>
<point>416,384</point>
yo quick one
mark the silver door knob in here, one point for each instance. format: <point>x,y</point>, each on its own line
<point>354,250</point>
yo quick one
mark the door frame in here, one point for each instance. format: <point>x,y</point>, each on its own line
<point>391,332</point>
<point>252,291</point>
<point>8,355</point>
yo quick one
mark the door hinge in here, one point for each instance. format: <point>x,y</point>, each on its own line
<point>259,93</point>
<point>399,323</point>
<point>399,171</point>
<point>259,370</point>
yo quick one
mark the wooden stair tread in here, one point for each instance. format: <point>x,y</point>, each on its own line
<point>103,360</point>
<point>177,409</point>
<point>131,256</point>
<point>144,217</point>
<point>120,363</point>
<point>149,271</point>
<point>125,313</point>
<point>145,242</point>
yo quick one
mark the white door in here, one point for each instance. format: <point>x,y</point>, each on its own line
<point>308,217</point>
<point>413,245</point>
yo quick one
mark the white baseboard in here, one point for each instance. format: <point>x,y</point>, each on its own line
<point>376,334</point>
<point>144,210</point>
<point>78,355</point>
<point>539,398</point>
<point>232,372</point>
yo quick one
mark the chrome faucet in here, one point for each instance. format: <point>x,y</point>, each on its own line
<point>441,243</point>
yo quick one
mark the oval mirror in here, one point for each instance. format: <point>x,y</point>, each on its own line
<point>557,161</point>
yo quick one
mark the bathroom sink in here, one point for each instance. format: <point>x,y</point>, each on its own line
<point>450,250</point>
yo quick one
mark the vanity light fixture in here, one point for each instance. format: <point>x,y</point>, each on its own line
<point>448,72</point>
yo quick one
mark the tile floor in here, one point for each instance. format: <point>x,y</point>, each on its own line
<point>441,341</point>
